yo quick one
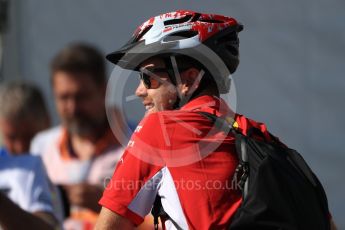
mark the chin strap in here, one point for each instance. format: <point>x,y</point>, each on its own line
<point>171,74</point>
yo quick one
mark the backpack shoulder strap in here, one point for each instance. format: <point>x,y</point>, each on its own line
<point>242,169</point>
<point>220,123</point>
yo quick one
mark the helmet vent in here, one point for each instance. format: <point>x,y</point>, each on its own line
<point>180,35</point>
<point>210,20</point>
<point>195,17</point>
<point>178,20</point>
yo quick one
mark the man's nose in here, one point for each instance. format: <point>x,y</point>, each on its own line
<point>141,90</point>
<point>72,106</point>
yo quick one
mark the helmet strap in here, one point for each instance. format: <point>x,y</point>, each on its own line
<point>172,78</point>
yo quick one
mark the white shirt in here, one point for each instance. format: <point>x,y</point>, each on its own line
<point>95,171</point>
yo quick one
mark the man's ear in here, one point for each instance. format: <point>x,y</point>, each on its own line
<point>189,78</point>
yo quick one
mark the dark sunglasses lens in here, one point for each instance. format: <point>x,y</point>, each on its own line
<point>146,80</point>
<point>149,82</point>
<point>154,83</point>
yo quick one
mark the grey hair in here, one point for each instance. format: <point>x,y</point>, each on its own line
<point>21,101</point>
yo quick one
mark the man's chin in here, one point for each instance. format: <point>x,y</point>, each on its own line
<point>80,128</point>
<point>84,126</point>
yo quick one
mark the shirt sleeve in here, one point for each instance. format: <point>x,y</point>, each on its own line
<point>37,189</point>
<point>135,182</point>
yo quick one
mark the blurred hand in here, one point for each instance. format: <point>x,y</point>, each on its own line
<point>84,195</point>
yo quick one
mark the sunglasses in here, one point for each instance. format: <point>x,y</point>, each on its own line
<point>150,78</point>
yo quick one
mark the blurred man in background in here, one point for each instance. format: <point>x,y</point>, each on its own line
<point>25,192</point>
<point>82,151</point>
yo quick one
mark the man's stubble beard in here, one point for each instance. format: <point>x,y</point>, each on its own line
<point>85,126</point>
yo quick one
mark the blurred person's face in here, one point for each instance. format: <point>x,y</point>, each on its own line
<point>17,135</point>
<point>79,101</point>
<point>163,94</point>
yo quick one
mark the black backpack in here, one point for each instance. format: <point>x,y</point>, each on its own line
<point>279,189</point>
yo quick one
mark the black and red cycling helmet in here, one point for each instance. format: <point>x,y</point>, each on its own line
<point>217,32</point>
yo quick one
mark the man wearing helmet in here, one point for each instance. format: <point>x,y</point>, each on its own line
<point>176,156</point>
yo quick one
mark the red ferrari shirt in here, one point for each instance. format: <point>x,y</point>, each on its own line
<point>188,162</point>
